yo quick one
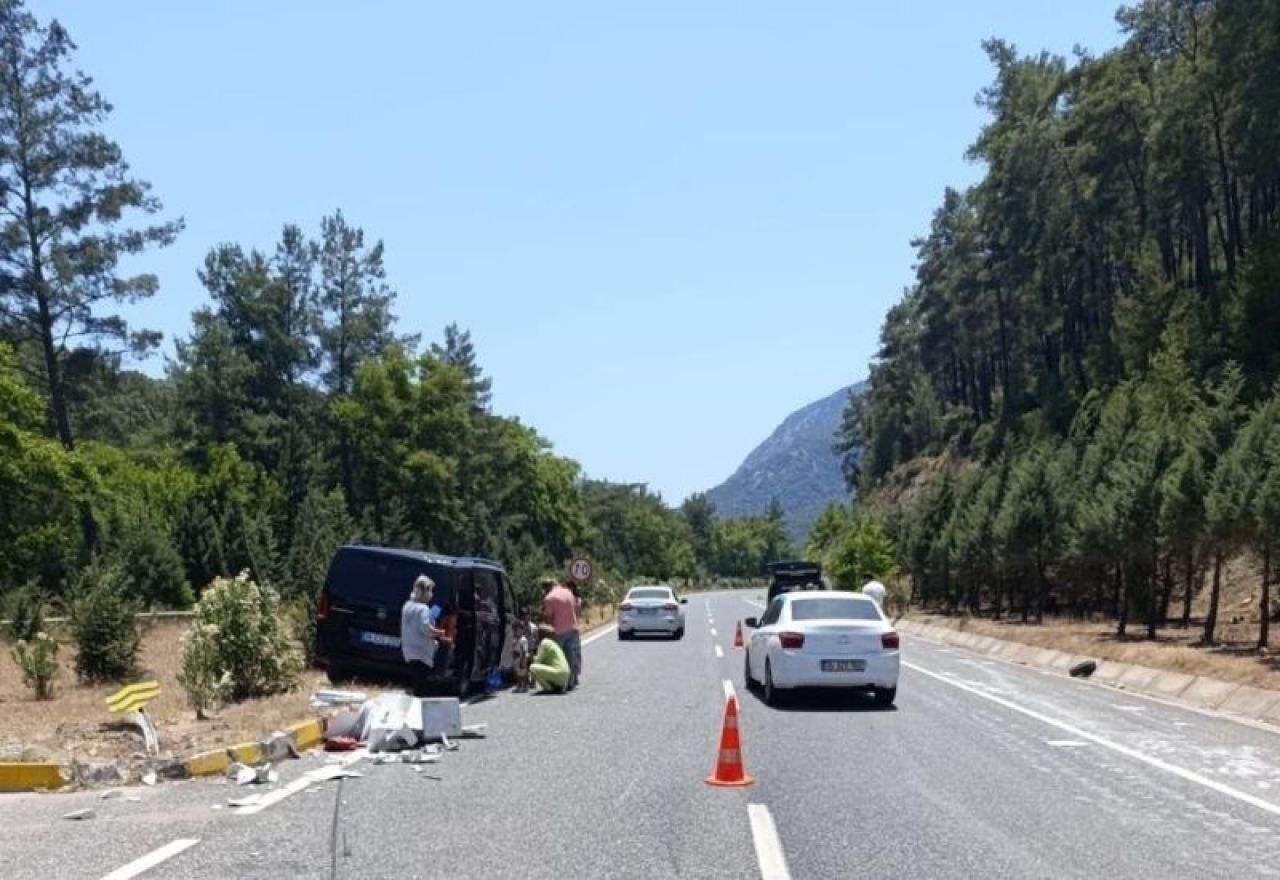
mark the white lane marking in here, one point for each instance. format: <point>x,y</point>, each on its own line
<point>151,859</point>
<point>756,604</point>
<point>729,692</point>
<point>1188,775</point>
<point>719,652</point>
<point>764,834</point>
<point>1066,743</point>
<point>303,782</point>
<point>713,632</point>
<point>599,635</point>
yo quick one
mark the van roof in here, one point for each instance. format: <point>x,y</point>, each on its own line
<point>422,556</point>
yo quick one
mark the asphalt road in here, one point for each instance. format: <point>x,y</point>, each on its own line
<point>982,769</point>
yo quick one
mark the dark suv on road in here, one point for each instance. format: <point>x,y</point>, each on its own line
<point>794,574</point>
<point>358,613</point>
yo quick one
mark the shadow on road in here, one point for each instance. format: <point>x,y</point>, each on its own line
<point>818,700</point>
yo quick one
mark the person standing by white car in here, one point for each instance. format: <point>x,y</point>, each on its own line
<point>876,591</point>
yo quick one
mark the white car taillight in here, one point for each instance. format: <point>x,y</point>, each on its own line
<point>791,641</point>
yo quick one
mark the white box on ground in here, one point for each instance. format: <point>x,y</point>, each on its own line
<point>441,716</point>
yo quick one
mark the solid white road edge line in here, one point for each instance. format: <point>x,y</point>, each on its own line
<point>1188,775</point>
<point>764,834</point>
<point>151,859</point>
<point>719,652</point>
<point>729,692</point>
<point>599,635</point>
<point>303,782</point>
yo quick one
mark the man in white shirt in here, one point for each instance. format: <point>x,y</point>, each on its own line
<point>418,634</point>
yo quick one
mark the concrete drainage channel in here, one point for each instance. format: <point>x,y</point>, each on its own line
<point>1198,692</point>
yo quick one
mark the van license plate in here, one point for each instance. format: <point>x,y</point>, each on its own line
<point>382,639</point>
<point>844,665</point>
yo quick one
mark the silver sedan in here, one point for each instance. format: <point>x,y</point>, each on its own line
<point>651,609</point>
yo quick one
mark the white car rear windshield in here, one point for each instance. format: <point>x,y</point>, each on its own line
<point>834,609</point>
<point>654,593</point>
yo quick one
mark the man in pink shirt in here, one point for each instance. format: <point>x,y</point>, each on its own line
<point>560,612</point>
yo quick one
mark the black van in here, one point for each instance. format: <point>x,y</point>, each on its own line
<point>358,613</point>
<point>788,575</point>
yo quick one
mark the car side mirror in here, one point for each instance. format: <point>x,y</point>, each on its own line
<point>684,601</point>
<point>752,622</point>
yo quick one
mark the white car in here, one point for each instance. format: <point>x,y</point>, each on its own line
<point>823,640</point>
<point>651,609</point>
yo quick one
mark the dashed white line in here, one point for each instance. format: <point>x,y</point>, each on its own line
<point>151,859</point>
<point>764,834</point>
<point>1187,775</point>
<point>729,692</point>
<point>713,632</point>
<point>719,652</point>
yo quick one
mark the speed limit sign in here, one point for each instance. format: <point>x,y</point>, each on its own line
<point>581,569</point>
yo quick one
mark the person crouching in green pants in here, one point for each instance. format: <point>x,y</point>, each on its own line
<point>550,668</point>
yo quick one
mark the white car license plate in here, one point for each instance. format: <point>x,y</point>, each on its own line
<point>844,665</point>
<point>648,610</point>
<point>382,639</point>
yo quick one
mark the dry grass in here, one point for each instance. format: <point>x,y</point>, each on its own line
<point>1234,659</point>
<point>76,723</point>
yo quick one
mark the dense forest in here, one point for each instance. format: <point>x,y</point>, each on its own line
<point>1074,406</point>
<point>296,414</point>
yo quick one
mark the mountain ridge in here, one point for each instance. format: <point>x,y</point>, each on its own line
<point>796,463</point>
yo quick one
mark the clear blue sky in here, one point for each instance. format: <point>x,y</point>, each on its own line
<point>666,223</point>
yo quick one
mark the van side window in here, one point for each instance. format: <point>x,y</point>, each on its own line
<point>487,591</point>
<point>508,597</point>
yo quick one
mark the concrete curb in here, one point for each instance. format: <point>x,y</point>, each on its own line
<point>1198,692</point>
<point>30,776</point>
<point>304,735</point>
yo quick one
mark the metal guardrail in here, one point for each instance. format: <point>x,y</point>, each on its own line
<point>141,615</point>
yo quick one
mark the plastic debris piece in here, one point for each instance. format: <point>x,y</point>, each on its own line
<point>149,778</point>
<point>110,795</point>
<point>133,799</point>
<point>79,815</point>
<point>333,771</point>
<point>475,731</point>
<point>337,698</point>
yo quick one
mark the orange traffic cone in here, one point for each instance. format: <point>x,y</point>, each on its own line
<point>729,770</point>
<point>737,636</point>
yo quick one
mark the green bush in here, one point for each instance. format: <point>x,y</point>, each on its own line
<point>151,564</point>
<point>301,614</point>
<point>38,660</point>
<point>25,609</point>
<point>239,645</point>
<point>104,626</point>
